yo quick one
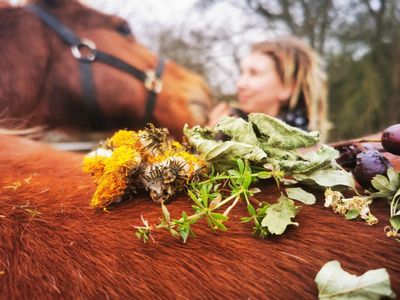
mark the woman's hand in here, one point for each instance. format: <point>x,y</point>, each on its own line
<point>219,111</point>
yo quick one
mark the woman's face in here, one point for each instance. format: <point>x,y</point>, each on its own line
<point>259,87</point>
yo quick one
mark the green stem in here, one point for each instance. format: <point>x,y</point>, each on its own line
<point>393,206</point>
<point>226,212</point>
<point>228,199</point>
<point>194,216</point>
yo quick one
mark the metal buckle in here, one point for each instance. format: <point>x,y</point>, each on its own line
<point>152,82</point>
<point>84,43</point>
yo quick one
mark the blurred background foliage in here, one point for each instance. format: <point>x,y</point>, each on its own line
<point>359,40</point>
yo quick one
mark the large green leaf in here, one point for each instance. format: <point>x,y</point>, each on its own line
<point>279,215</point>
<point>386,186</point>
<point>327,178</point>
<point>233,150</point>
<point>280,154</point>
<point>310,161</point>
<point>238,129</point>
<point>335,283</point>
<point>301,195</point>
<point>217,151</point>
<point>278,134</point>
<point>266,139</point>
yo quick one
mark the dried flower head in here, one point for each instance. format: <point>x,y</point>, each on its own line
<point>146,159</point>
<point>351,208</point>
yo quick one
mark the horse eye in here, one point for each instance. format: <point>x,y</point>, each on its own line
<point>124,29</point>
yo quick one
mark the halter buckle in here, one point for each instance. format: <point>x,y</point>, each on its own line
<point>152,82</point>
<point>87,57</point>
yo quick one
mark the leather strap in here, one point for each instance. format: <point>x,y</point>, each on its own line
<point>69,37</point>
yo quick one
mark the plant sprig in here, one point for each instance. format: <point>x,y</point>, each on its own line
<point>214,198</point>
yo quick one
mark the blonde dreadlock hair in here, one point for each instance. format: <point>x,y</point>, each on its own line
<point>298,65</point>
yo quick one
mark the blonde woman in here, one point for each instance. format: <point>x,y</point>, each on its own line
<point>282,78</point>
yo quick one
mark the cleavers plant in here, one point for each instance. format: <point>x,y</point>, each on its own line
<point>215,196</point>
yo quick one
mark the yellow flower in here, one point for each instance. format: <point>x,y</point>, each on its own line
<point>177,146</point>
<point>94,165</point>
<point>123,138</point>
<point>123,158</point>
<point>111,184</point>
<point>110,189</point>
<point>127,151</point>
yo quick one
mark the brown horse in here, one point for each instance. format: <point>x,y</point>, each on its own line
<point>40,79</point>
<point>52,246</point>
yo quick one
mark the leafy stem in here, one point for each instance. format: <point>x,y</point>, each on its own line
<point>209,197</point>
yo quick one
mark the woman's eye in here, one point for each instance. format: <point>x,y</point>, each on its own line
<point>124,29</point>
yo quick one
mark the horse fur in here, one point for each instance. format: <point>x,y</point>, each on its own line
<point>53,246</point>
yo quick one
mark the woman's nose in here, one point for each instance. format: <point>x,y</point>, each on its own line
<point>242,82</point>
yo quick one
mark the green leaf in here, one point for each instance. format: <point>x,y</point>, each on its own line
<point>279,154</point>
<point>245,219</point>
<point>174,233</point>
<point>238,129</point>
<point>221,226</point>
<point>219,216</point>
<point>279,215</point>
<point>352,214</point>
<point>251,210</point>
<point>247,181</point>
<point>301,195</point>
<point>166,213</point>
<point>278,134</point>
<point>310,161</point>
<point>216,220</point>
<point>386,186</point>
<point>240,164</point>
<point>263,175</point>
<point>204,193</point>
<point>395,222</point>
<point>394,179</point>
<point>327,178</point>
<point>234,173</point>
<point>194,198</point>
<point>335,283</point>
<point>263,209</point>
<point>221,154</point>
<point>382,185</point>
<point>184,232</point>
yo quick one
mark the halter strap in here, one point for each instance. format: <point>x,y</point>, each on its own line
<point>151,79</point>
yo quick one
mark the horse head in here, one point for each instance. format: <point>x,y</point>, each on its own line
<point>46,85</point>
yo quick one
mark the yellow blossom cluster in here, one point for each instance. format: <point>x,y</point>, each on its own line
<point>129,154</point>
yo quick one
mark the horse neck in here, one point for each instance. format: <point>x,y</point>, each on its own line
<point>24,55</point>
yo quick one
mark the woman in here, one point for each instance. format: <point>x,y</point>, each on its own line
<point>282,78</point>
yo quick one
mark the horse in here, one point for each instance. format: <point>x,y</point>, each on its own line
<point>53,246</point>
<point>100,80</point>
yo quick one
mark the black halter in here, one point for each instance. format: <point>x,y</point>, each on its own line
<point>151,79</point>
